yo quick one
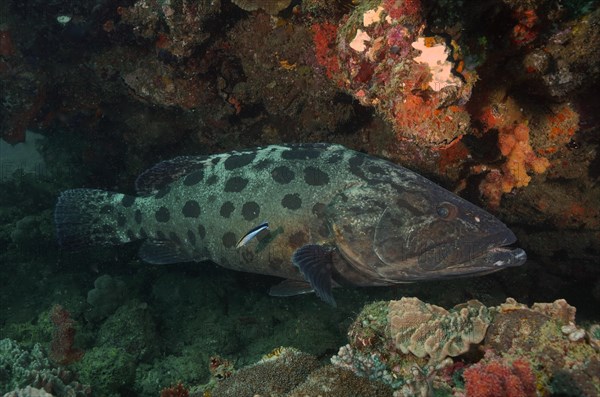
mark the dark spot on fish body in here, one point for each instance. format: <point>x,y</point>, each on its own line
<point>106,209</point>
<point>226,209</point>
<point>250,210</point>
<point>191,209</point>
<point>194,178</point>
<point>276,264</point>
<point>174,238</point>
<point>323,230</point>
<point>201,231</point>
<point>335,157</point>
<point>318,209</point>
<point>315,177</point>
<point>143,233</point>
<point>162,192</point>
<point>215,160</point>
<point>262,164</point>
<point>235,184</point>
<point>127,201</point>
<point>211,180</point>
<point>282,175</point>
<point>130,235</point>
<point>291,201</point>
<point>265,239</point>
<point>247,255</point>
<point>121,219</point>
<point>238,160</point>
<point>108,229</point>
<point>298,239</point>
<point>191,237</point>
<point>300,154</point>
<point>356,161</point>
<point>162,215</point>
<point>160,235</point>
<point>375,169</point>
<point>137,216</point>
<point>229,240</point>
<point>355,164</point>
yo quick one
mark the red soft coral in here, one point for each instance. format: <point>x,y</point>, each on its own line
<point>62,350</point>
<point>500,379</point>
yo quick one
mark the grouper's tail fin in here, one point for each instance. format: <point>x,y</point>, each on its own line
<point>86,217</point>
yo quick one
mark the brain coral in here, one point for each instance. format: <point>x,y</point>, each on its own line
<point>428,330</point>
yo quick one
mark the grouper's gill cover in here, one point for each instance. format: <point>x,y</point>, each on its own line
<point>335,216</point>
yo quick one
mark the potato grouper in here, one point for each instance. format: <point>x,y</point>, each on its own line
<point>318,215</point>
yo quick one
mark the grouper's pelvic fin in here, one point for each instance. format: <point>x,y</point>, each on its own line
<point>87,217</point>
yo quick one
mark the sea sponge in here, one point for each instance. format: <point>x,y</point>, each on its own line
<point>428,330</point>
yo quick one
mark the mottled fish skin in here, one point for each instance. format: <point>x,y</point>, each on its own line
<point>381,223</point>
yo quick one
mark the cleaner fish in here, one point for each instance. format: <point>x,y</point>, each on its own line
<point>336,217</point>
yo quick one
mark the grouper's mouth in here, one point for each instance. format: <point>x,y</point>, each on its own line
<point>487,255</point>
<point>452,259</point>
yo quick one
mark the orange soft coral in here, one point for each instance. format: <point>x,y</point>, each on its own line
<point>520,158</point>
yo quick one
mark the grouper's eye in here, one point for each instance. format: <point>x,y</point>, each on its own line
<point>446,211</point>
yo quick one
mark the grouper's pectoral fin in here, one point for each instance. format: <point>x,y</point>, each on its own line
<point>315,264</point>
<point>163,252</point>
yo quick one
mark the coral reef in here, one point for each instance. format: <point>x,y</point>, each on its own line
<point>184,23</point>
<point>412,347</point>
<point>269,6</point>
<point>110,369</point>
<point>179,390</point>
<point>62,350</point>
<point>546,336</point>
<point>277,374</point>
<point>25,371</point>
<point>493,377</point>
<point>428,330</point>
<point>107,295</point>
<point>417,82</point>
<point>132,329</point>
<point>492,99</point>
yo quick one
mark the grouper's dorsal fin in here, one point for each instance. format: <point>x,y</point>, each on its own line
<point>162,252</point>
<point>168,171</point>
<point>315,263</point>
